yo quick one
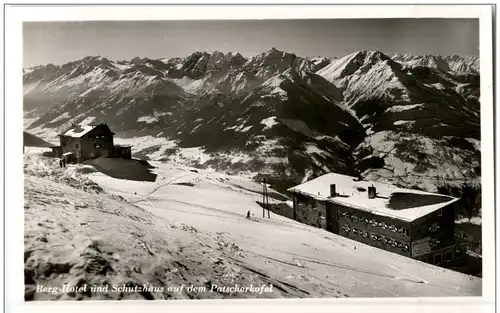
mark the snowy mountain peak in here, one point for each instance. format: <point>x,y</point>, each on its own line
<point>453,63</point>
<point>360,61</point>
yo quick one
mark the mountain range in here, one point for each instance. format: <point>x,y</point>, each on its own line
<point>409,120</point>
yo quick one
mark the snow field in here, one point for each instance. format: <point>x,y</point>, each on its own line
<point>189,227</point>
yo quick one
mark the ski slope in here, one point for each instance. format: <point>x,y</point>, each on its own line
<point>189,227</point>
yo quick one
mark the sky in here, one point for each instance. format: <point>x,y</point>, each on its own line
<point>62,42</point>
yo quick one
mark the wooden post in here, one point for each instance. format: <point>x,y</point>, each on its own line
<point>267,204</point>
<point>264,198</point>
<point>294,208</point>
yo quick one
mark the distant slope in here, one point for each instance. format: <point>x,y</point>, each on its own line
<point>30,140</point>
<point>422,123</point>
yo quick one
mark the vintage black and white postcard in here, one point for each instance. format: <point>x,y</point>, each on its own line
<point>252,152</point>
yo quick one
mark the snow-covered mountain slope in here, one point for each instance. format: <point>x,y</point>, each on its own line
<point>275,113</point>
<point>445,63</point>
<point>413,108</point>
<point>365,75</point>
<point>30,140</point>
<point>272,62</point>
<point>200,64</point>
<point>293,116</point>
<point>98,89</point>
<point>82,227</point>
<point>420,162</point>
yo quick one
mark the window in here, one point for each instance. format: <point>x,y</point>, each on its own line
<point>440,212</point>
<point>460,252</point>
<point>459,234</point>
<point>434,242</point>
<point>384,240</point>
<point>438,258</point>
<point>354,231</point>
<point>365,234</point>
<point>405,232</point>
<point>77,146</point>
<point>406,248</point>
<point>434,227</point>
<point>448,256</point>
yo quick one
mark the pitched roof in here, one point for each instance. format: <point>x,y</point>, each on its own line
<point>391,201</point>
<point>78,131</point>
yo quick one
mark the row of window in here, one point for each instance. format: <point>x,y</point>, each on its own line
<point>76,145</point>
<point>376,237</point>
<point>98,136</point>
<point>375,223</point>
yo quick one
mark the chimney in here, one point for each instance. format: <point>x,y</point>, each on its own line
<point>372,192</point>
<point>333,190</point>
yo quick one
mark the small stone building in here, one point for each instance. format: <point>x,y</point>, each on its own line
<point>83,142</point>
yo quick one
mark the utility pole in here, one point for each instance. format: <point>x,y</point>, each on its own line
<point>265,200</point>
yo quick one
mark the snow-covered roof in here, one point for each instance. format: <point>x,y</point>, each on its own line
<point>68,153</point>
<point>78,131</point>
<point>354,193</point>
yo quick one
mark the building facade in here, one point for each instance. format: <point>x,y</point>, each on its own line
<point>412,223</point>
<point>81,143</point>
